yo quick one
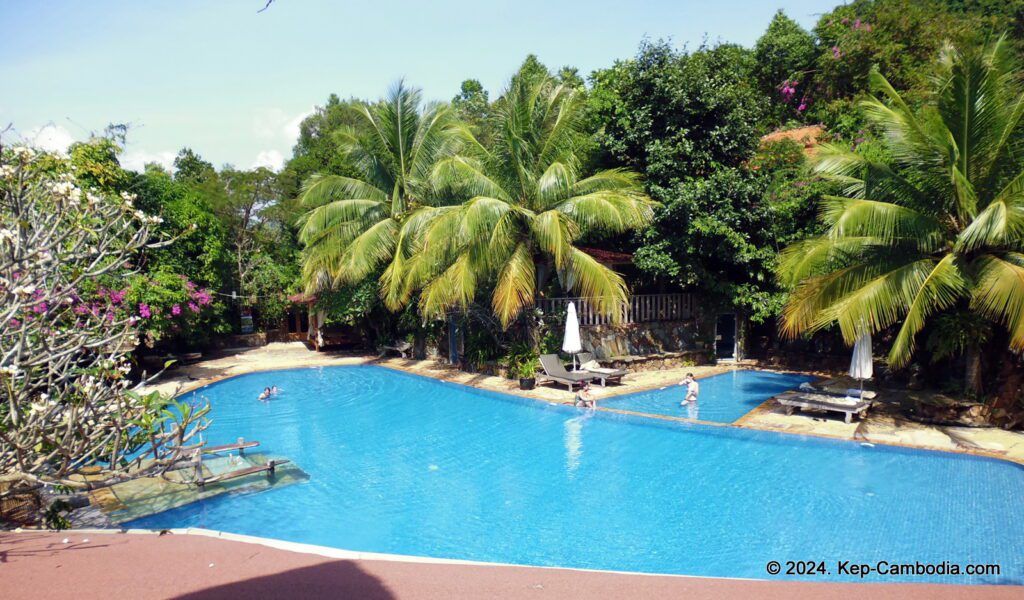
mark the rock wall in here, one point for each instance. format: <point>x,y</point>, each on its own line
<point>641,339</point>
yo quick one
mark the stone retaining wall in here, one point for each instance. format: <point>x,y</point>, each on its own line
<point>641,339</point>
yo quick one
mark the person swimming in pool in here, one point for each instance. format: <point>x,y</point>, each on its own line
<point>584,398</point>
<point>692,391</point>
<point>274,389</point>
<point>265,395</point>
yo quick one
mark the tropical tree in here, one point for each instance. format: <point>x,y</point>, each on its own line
<point>934,226</point>
<point>355,226</point>
<point>526,205</point>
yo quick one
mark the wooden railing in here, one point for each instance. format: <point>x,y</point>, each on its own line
<point>642,308</point>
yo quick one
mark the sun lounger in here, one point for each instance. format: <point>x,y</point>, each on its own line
<point>402,348</point>
<point>554,371</point>
<point>841,392</point>
<point>850,406</point>
<point>604,374</point>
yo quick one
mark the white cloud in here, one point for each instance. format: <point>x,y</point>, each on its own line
<point>52,138</point>
<point>136,160</point>
<point>271,159</point>
<point>274,124</point>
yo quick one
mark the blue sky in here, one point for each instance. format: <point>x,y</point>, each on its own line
<point>233,84</point>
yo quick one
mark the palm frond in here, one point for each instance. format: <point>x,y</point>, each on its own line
<point>999,293</point>
<point>514,289</point>
<point>321,189</point>
<point>609,211</point>
<point>939,291</point>
<point>554,233</point>
<point>602,287</point>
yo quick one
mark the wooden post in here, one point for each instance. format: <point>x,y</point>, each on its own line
<point>197,461</point>
<point>241,447</point>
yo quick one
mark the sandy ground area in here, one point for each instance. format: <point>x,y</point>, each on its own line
<point>40,565</point>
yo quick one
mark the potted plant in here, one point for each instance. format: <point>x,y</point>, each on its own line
<point>527,371</point>
<point>521,362</point>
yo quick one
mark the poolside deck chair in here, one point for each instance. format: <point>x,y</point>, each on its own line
<point>402,348</point>
<point>835,390</point>
<point>849,406</point>
<point>589,365</point>
<point>554,371</point>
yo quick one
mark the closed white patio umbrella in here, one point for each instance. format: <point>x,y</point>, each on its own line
<point>861,366</point>
<point>571,342</point>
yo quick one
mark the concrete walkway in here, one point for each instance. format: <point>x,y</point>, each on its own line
<point>40,565</point>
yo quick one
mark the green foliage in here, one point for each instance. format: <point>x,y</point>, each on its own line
<point>95,165</point>
<point>955,332</point>
<point>933,224</point>
<point>317,150</point>
<point>525,203</point>
<point>900,38</point>
<point>268,285</point>
<point>675,115</point>
<point>356,226</point>
<point>521,360</point>
<point>786,52</point>
<point>471,102</point>
<point>350,304</point>
<point>53,517</point>
<point>189,167</point>
<point>720,234</point>
<point>481,346</point>
<point>177,309</point>
<point>201,250</point>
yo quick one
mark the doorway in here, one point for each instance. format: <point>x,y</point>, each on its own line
<point>725,337</point>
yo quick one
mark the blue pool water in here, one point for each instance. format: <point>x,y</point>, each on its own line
<point>723,398</point>
<point>409,465</point>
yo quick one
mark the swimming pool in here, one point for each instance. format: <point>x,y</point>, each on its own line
<point>723,398</point>
<point>409,465</point>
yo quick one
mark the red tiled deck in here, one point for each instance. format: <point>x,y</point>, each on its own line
<point>39,565</point>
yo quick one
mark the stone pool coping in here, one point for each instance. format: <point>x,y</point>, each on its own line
<point>879,427</point>
<point>203,564</point>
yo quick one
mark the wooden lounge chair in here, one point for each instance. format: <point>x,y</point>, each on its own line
<point>833,389</point>
<point>554,371</point>
<point>589,365</point>
<point>402,348</point>
<point>826,402</point>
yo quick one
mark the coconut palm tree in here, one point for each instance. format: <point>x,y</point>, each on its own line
<point>526,204</point>
<point>354,226</point>
<point>937,226</point>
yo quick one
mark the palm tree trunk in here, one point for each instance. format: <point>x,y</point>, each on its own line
<point>972,375</point>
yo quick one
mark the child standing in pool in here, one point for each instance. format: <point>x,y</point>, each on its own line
<point>692,391</point>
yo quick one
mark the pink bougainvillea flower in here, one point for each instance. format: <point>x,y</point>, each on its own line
<point>176,310</point>
<point>802,107</point>
<point>14,323</point>
<point>144,311</point>
<point>836,52</point>
<point>39,308</point>
<point>192,306</point>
